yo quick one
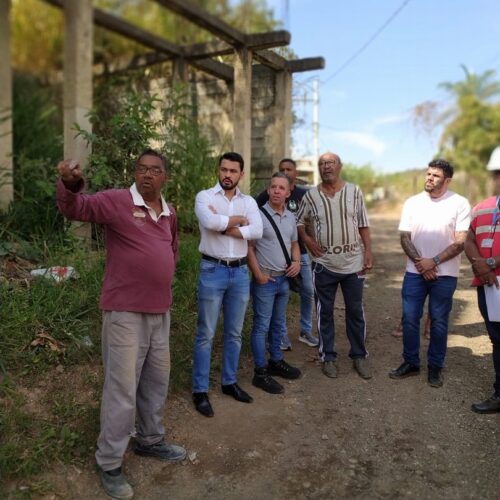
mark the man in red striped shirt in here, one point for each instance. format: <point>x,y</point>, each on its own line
<point>482,248</point>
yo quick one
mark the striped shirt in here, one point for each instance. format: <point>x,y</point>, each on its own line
<point>335,222</point>
<point>485,226</point>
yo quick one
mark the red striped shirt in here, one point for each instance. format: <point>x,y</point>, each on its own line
<point>485,224</point>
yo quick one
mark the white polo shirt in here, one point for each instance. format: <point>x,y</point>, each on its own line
<point>433,223</point>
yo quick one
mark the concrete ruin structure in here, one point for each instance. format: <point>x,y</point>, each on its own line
<point>252,97</point>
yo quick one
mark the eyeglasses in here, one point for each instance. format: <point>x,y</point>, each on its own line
<point>328,163</point>
<point>142,169</point>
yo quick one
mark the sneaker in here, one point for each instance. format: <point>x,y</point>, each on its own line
<point>309,339</point>
<point>161,450</point>
<point>362,366</point>
<point>115,483</point>
<point>285,344</point>
<point>264,381</point>
<point>434,376</point>
<point>329,368</point>
<point>282,369</point>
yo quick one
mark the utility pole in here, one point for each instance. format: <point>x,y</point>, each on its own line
<point>315,126</point>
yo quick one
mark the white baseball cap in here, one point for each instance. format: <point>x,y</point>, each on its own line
<point>494,163</point>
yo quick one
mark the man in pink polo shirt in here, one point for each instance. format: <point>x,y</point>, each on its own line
<point>482,248</point>
<point>142,244</point>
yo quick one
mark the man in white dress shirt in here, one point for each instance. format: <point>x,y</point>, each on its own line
<point>227,220</point>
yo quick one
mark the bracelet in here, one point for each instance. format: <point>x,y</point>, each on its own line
<point>436,260</point>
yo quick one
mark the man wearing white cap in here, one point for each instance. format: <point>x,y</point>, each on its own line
<point>482,247</point>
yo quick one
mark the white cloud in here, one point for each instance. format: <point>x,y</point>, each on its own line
<point>390,119</point>
<point>363,140</point>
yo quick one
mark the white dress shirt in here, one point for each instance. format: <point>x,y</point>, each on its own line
<point>213,242</point>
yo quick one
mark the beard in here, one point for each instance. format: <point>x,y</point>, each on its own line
<point>433,187</point>
<point>227,187</point>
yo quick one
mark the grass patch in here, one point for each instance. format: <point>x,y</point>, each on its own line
<point>50,393</point>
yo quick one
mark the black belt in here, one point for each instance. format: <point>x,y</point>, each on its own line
<point>226,262</point>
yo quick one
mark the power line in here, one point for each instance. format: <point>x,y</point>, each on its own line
<point>369,41</point>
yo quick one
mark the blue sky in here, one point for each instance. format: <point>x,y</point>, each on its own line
<point>365,111</point>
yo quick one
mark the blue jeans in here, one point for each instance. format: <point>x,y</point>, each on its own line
<point>227,288</point>
<point>414,292</point>
<point>325,287</point>
<point>493,328</point>
<point>306,294</point>
<point>306,299</point>
<point>269,317</point>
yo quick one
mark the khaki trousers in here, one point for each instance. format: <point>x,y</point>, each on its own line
<point>136,359</point>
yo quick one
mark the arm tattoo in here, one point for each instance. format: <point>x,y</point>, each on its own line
<point>408,247</point>
<point>456,248</point>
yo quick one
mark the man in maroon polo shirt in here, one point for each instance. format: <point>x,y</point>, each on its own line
<point>141,251</point>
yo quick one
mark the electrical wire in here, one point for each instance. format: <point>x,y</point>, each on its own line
<point>368,42</point>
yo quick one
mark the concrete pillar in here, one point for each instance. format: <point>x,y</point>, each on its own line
<point>180,70</point>
<point>242,111</point>
<point>282,117</point>
<point>77,98</point>
<point>6,166</point>
<point>78,59</point>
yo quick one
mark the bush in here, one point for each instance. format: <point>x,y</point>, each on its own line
<point>37,147</point>
<point>133,119</point>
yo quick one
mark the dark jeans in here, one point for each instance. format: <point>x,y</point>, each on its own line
<point>493,329</point>
<point>325,288</point>
<point>414,292</point>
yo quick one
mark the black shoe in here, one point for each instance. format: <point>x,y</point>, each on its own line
<point>404,370</point>
<point>237,392</point>
<point>115,484</point>
<point>161,450</point>
<point>202,404</point>
<point>434,376</point>
<point>264,381</point>
<point>491,405</point>
<point>282,369</point>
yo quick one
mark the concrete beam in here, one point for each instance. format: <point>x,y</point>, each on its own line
<point>306,64</point>
<point>242,111</point>
<point>164,50</point>
<point>6,164</point>
<point>78,59</point>
<point>205,20</point>
<point>255,41</point>
<point>271,59</point>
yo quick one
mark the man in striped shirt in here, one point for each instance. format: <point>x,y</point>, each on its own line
<point>338,238</point>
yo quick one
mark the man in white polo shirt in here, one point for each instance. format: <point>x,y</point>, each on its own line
<point>433,229</point>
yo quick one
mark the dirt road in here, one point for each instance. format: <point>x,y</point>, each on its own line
<point>343,438</point>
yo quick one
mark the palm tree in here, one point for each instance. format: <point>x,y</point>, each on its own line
<point>481,86</point>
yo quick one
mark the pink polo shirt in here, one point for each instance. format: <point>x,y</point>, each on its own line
<point>140,252</point>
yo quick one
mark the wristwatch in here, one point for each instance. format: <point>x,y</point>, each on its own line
<point>491,262</point>
<point>436,260</point>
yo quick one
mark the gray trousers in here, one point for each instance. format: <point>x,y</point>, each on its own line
<point>136,359</point>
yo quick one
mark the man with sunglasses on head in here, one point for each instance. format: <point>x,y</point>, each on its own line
<point>141,252</point>
<point>433,228</point>
<point>228,219</point>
